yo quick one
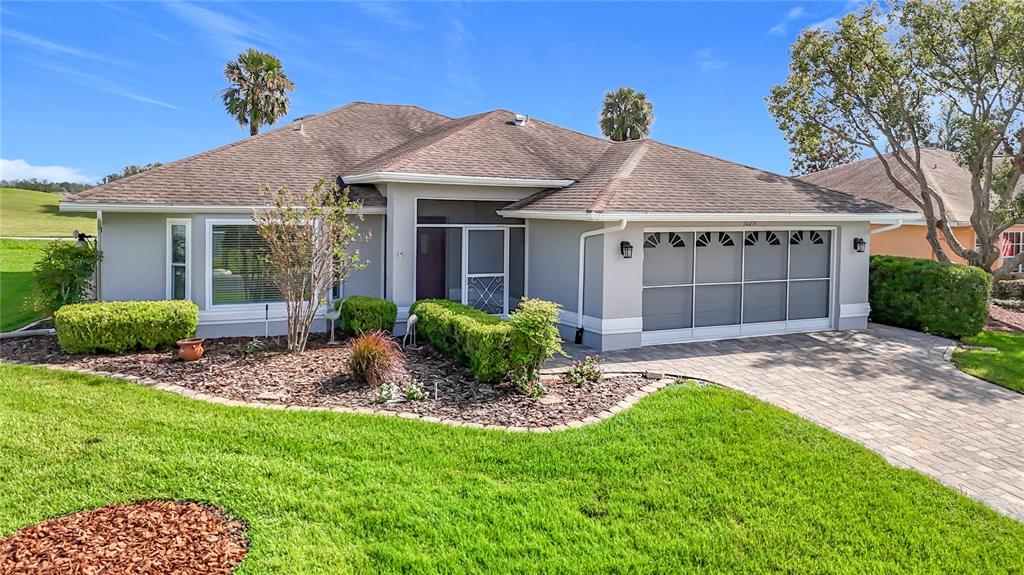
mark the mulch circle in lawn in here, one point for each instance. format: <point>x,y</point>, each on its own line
<point>152,537</point>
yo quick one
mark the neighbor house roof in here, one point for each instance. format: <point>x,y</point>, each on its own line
<point>373,142</point>
<point>867,179</point>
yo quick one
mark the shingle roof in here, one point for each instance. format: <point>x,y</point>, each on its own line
<point>636,177</point>
<point>231,175</point>
<point>867,179</point>
<point>648,176</point>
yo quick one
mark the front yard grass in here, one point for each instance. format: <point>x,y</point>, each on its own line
<point>1004,366</point>
<point>16,260</point>
<point>698,480</point>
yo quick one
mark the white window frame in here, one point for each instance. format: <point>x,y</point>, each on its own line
<point>1020,247</point>
<point>272,309</point>
<point>693,333</point>
<point>169,255</point>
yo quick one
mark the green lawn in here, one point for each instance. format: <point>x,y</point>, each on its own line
<point>698,480</point>
<point>16,260</point>
<point>34,214</point>
<point>1005,367</point>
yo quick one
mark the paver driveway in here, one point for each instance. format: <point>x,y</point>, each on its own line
<point>887,388</point>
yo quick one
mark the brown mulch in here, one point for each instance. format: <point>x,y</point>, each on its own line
<point>152,537</point>
<point>319,377</point>
<point>1004,319</point>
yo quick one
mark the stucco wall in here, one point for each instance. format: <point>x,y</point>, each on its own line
<point>134,267</point>
<point>909,241</point>
<point>621,317</point>
<point>400,274</point>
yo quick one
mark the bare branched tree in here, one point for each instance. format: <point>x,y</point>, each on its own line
<point>311,239</point>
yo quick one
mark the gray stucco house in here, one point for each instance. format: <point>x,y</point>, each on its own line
<point>641,242</point>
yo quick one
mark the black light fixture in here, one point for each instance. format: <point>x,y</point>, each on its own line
<point>859,245</point>
<point>82,238</point>
<point>627,249</point>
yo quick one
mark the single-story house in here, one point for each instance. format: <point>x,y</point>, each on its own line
<point>641,242</point>
<point>867,179</point>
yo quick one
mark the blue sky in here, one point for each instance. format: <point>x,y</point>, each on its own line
<point>90,87</point>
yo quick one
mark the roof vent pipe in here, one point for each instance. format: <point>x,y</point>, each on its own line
<point>520,119</point>
<point>579,285</point>
<point>301,129</point>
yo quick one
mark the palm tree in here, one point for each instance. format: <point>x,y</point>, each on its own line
<point>257,91</point>
<point>627,115</point>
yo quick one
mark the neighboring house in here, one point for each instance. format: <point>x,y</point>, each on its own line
<point>675,245</point>
<point>952,182</point>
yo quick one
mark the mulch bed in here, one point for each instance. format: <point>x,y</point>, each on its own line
<point>153,537</point>
<point>1004,319</point>
<point>319,377</point>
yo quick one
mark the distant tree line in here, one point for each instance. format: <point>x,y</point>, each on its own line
<point>46,186</point>
<point>73,187</point>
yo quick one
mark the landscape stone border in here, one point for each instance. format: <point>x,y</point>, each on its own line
<point>658,381</point>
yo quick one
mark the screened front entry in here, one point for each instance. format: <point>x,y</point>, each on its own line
<point>712,284</point>
<point>466,252</point>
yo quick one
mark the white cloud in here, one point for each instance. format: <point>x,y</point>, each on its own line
<point>390,14</point>
<point>708,60</point>
<point>231,35</point>
<point>102,84</point>
<point>795,13</point>
<point>43,45</point>
<point>22,170</point>
<point>826,24</point>
<point>456,52</point>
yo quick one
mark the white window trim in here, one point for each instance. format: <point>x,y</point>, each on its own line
<point>694,333</point>
<point>256,310</point>
<point>168,260</point>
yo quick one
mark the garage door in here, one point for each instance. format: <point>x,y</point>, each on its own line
<point>709,284</point>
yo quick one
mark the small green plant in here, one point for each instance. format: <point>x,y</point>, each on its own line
<point>527,382</point>
<point>387,392</point>
<point>251,347</point>
<point>413,390</point>
<point>361,314</point>
<point>64,274</point>
<point>586,372</point>
<point>535,338</point>
<point>374,358</point>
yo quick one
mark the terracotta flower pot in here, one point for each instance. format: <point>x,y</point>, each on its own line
<point>190,349</point>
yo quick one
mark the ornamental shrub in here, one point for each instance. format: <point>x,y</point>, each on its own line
<point>374,358</point>
<point>120,326</point>
<point>1008,289</point>
<point>481,340</point>
<point>63,275</point>
<point>362,314</point>
<point>949,300</point>
<point>493,348</point>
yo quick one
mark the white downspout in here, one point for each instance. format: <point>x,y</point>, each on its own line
<point>898,224</point>
<point>583,248</point>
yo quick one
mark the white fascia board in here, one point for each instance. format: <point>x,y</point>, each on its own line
<point>918,220</point>
<point>411,178</point>
<point>677,216</point>
<point>180,209</point>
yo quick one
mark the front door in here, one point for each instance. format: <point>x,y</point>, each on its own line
<point>431,270</point>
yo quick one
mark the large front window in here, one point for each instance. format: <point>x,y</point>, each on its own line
<point>466,252</point>
<point>239,273</point>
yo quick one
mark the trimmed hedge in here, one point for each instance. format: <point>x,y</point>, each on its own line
<point>120,326</point>
<point>363,314</point>
<point>949,300</point>
<point>477,338</point>
<point>1008,289</point>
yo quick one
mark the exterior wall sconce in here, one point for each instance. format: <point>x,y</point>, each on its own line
<point>859,245</point>
<point>626,249</point>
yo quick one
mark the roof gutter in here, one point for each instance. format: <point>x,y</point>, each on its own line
<point>87,207</point>
<point>582,260</point>
<point>452,179</point>
<point>706,217</point>
<point>889,228</point>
